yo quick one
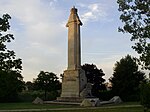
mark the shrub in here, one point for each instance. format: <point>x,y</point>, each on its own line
<point>29,96</point>
<point>105,95</point>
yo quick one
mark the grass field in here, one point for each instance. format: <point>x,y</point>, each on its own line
<point>7,106</point>
<point>103,110</point>
<point>124,107</point>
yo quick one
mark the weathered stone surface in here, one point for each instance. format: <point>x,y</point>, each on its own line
<point>87,91</point>
<point>38,101</point>
<point>69,99</point>
<point>74,50</point>
<point>116,100</point>
<point>90,102</point>
<point>73,83</point>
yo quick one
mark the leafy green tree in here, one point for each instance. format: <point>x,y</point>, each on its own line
<point>8,61</point>
<point>127,78</point>
<point>95,77</point>
<point>145,92</point>
<point>135,14</point>
<point>29,86</point>
<point>47,81</point>
<point>11,81</point>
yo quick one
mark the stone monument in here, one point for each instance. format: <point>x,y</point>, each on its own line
<point>74,80</point>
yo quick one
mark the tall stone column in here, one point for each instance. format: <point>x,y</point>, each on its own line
<point>74,52</point>
<point>74,80</point>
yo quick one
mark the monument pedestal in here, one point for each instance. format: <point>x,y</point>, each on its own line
<point>73,82</point>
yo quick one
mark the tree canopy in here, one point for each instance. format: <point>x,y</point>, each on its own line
<point>135,14</point>
<point>47,81</point>
<point>127,78</point>
<point>11,80</point>
<point>95,77</point>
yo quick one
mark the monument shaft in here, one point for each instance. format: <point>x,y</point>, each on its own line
<point>74,52</point>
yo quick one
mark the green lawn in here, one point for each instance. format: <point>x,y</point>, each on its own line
<point>7,106</point>
<point>124,107</point>
<point>139,109</point>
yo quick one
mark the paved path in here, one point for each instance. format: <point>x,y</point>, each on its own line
<point>78,108</point>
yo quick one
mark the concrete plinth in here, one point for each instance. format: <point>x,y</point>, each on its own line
<point>74,82</point>
<point>70,99</point>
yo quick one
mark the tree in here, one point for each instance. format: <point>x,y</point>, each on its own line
<point>145,92</point>
<point>11,81</point>
<point>29,86</point>
<point>47,81</point>
<point>127,78</point>
<point>135,14</point>
<point>94,76</point>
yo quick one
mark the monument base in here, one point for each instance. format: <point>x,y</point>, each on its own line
<point>69,99</point>
<point>73,83</point>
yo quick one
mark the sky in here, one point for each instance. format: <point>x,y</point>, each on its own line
<point>41,36</point>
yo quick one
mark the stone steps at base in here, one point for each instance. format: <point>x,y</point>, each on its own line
<point>70,99</point>
<point>63,103</point>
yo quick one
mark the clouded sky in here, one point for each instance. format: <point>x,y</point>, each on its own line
<point>41,36</point>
